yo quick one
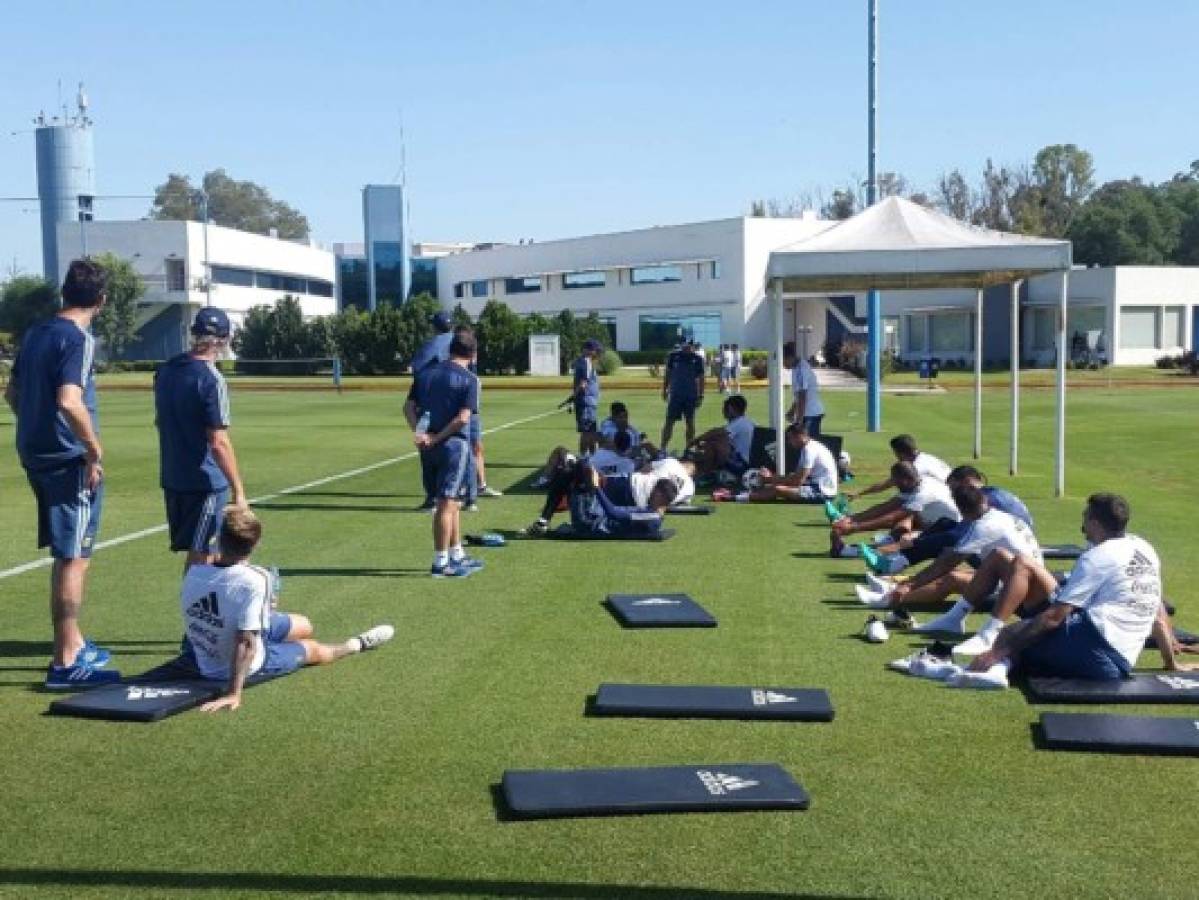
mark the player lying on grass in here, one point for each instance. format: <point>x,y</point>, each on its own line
<point>912,548</point>
<point>991,540</point>
<point>905,450</point>
<point>613,505</point>
<point>1095,625</point>
<point>725,449</point>
<point>231,630</point>
<point>813,481</point>
<point>923,504</point>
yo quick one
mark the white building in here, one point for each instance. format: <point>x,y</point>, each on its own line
<point>174,258</point>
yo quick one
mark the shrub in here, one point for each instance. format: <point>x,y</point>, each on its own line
<point>609,362</point>
<point>1190,362</point>
<point>1168,362</point>
<point>759,369</point>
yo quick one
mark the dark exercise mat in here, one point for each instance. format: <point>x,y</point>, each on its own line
<point>713,702</point>
<point>163,691</point>
<point>659,611</point>
<point>1158,687</point>
<point>604,792</point>
<point>688,510</point>
<point>1061,551</point>
<point>566,533</point>
<point>1105,733</point>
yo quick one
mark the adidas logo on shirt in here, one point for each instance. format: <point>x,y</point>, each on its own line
<point>656,601</point>
<point>766,698</point>
<point>1140,564</point>
<point>207,609</point>
<point>719,784</point>
<point>1179,684</point>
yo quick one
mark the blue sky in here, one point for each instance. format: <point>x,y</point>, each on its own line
<point>548,119</point>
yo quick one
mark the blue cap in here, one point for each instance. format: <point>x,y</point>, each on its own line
<point>592,345</point>
<point>211,322</point>
<point>441,321</point>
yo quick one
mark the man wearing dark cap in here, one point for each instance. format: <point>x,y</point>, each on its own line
<point>52,393</point>
<point>586,392</point>
<point>197,466</point>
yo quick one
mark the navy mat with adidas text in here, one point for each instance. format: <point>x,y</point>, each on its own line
<point>1146,687</point>
<point>1103,733</point>
<point>659,611</point>
<point>713,702</point>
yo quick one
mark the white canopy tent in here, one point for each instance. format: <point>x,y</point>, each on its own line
<point>900,245</point>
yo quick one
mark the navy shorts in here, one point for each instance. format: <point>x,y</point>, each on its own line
<point>476,429</point>
<point>681,408</point>
<point>428,472</point>
<point>584,418</point>
<point>453,469</point>
<point>282,656</point>
<point>194,518</point>
<point>68,514</point>
<point>1075,649</point>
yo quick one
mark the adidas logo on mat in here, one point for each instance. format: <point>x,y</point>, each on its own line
<point>1179,684</point>
<point>766,698</point>
<point>718,784</point>
<point>149,693</point>
<point>656,601</point>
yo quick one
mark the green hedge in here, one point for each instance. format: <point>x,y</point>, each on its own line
<point>657,357</point>
<point>129,365</point>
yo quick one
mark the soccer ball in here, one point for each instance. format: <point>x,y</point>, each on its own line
<point>752,480</point>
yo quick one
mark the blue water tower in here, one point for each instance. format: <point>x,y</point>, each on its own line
<point>66,177</point>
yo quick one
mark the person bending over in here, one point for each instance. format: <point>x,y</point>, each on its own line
<point>813,481</point>
<point>1095,625</point>
<point>601,505</point>
<point>232,631</point>
<point>905,450</point>
<point>922,504</point>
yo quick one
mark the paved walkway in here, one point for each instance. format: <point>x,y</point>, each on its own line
<point>840,380</point>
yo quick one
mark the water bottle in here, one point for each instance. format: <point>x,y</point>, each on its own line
<point>422,426</point>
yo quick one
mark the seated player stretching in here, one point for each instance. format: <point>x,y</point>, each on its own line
<point>231,631</point>
<point>725,449</point>
<point>923,504</point>
<point>617,505</point>
<point>1095,625</point>
<point>813,481</point>
<point>905,450</point>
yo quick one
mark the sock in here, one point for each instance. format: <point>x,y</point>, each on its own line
<point>993,626</point>
<point>440,558</point>
<point>457,554</point>
<point>354,645</point>
<point>743,497</point>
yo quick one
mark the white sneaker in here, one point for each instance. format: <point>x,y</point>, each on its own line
<point>994,679</point>
<point>869,598</point>
<point>934,668</point>
<point>948,623</point>
<point>874,631</point>
<point>878,585</point>
<point>905,665</point>
<point>373,637</point>
<point>488,491</point>
<point>980,643</point>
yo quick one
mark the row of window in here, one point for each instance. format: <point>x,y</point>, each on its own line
<point>288,284</point>
<point>591,278</point>
<point>942,332</point>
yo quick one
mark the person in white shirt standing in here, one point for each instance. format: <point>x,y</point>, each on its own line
<point>806,406</point>
<point>231,631</point>
<point>736,366</point>
<point>1094,627</point>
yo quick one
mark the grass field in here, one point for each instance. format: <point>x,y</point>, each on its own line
<point>374,777</point>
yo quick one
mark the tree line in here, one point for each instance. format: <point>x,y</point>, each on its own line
<point>1122,222</point>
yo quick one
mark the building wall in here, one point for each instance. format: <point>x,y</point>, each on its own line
<point>65,173</point>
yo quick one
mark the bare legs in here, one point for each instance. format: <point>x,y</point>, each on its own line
<point>66,599</point>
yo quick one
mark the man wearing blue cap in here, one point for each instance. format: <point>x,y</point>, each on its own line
<point>52,393</point>
<point>586,390</point>
<point>197,466</point>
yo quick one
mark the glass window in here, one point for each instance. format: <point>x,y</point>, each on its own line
<point>528,285</point>
<point>389,262</point>
<point>275,282</point>
<point>1138,328</point>
<point>480,288</point>
<point>225,275</point>
<point>656,275</point>
<point>1041,327</point>
<point>661,332</point>
<point>175,275</point>
<point>460,290</point>
<point>424,276</point>
<point>717,269</point>
<point>951,332</point>
<point>890,334</point>
<point>1172,319</point>
<point>319,288</point>
<point>584,279</point>
<point>351,273</point>
<point>916,333</point>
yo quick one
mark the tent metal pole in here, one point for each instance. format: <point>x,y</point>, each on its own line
<point>1014,460</point>
<point>874,319</point>
<point>978,373</point>
<point>1062,350</point>
<point>778,394</point>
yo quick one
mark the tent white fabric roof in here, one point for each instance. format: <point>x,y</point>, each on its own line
<point>899,245</point>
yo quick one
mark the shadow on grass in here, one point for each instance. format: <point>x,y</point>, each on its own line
<point>20,649</point>
<point>335,507</point>
<point>272,883</point>
<point>353,572</point>
<point>387,495</point>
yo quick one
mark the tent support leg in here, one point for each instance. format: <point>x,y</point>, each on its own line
<point>978,373</point>
<point>1063,348</point>
<point>778,408</point>
<point>874,391</point>
<point>1014,460</point>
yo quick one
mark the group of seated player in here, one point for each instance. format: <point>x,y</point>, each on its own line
<point>979,542</point>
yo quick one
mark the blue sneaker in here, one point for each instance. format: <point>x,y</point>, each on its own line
<point>451,570</point>
<point>93,656</point>
<point>78,677</point>
<point>469,562</point>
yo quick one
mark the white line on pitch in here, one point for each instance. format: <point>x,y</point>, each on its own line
<point>158,529</point>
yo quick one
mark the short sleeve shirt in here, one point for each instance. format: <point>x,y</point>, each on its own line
<point>823,468</point>
<point>741,434</point>
<point>804,379</point>
<point>931,501</point>
<point>609,462</point>
<point>443,390</point>
<point>996,530</point>
<point>1006,501</point>
<point>436,349</point>
<point>930,466</point>
<point>190,397</point>
<point>684,372</point>
<point>53,354</point>
<point>587,378</point>
<point>219,601</point>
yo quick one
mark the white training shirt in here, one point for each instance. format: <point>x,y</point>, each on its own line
<point>931,501</point>
<point>741,434</point>
<point>609,462</point>
<point>819,459</point>
<point>726,358</point>
<point>804,379</point>
<point>928,465</point>
<point>1118,585</point>
<point>996,529</point>
<point>643,483</point>
<point>219,601</point>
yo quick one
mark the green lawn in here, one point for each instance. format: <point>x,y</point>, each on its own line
<point>374,777</point>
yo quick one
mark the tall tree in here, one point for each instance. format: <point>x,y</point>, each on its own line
<point>954,195</point>
<point>993,209</point>
<point>115,324</point>
<point>1125,223</point>
<point>234,204</point>
<point>24,301</point>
